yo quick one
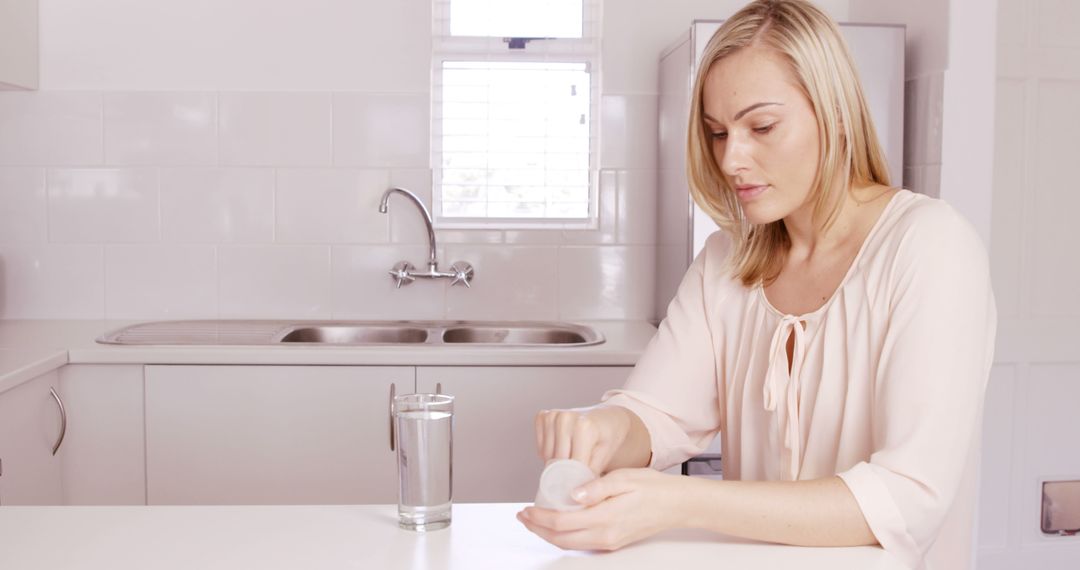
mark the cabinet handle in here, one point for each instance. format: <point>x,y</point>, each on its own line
<point>438,387</point>
<point>390,410</point>
<point>63,420</point>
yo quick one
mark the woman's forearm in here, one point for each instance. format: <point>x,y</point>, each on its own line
<point>819,512</point>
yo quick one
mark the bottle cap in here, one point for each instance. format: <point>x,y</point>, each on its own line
<point>559,479</point>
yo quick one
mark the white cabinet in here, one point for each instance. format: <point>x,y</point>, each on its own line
<point>18,44</point>
<point>271,434</point>
<point>30,426</point>
<point>103,452</point>
<point>495,457</point>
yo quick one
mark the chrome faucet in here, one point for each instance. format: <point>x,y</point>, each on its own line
<point>404,272</point>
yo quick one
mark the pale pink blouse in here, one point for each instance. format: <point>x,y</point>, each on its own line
<point>886,384</point>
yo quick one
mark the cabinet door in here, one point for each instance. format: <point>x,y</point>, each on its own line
<point>104,462</point>
<point>271,434</point>
<point>29,428</point>
<point>495,457</point>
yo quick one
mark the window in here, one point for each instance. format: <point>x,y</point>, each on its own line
<point>515,97</point>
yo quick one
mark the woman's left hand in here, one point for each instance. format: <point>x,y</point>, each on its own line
<point>622,507</point>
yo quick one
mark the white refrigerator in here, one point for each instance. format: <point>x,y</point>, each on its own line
<point>878,51</point>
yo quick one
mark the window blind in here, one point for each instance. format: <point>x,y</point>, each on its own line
<point>513,119</point>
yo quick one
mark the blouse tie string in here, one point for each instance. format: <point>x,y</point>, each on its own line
<point>778,376</point>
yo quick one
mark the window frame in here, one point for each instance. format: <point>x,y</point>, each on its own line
<point>584,50</point>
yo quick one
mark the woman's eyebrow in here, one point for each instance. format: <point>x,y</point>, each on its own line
<point>740,114</point>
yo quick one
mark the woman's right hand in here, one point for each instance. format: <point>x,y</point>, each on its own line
<point>593,436</point>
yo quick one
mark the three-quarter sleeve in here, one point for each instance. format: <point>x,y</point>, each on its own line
<point>673,387</point>
<point>927,392</point>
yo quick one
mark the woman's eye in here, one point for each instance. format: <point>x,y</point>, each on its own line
<point>765,129</point>
<point>719,136</point>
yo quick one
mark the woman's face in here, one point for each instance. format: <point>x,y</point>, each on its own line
<point>764,133</point>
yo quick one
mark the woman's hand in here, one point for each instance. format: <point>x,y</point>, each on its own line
<point>623,507</point>
<point>593,436</point>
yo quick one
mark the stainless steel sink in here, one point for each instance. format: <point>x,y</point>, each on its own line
<point>521,335</point>
<point>356,333</point>
<point>343,334</point>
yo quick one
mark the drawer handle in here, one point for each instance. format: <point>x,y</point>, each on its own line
<point>63,420</point>
<point>390,410</point>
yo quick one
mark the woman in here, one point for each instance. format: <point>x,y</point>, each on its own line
<point>837,334</point>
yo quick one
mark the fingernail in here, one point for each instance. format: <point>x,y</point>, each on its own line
<point>578,494</point>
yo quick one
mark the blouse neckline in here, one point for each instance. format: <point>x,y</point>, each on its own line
<point>850,271</point>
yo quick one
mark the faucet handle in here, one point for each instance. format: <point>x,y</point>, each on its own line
<point>402,273</point>
<point>463,273</point>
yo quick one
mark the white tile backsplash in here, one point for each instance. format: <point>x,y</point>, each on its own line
<point>629,126</point>
<point>533,237</point>
<point>217,205</point>
<point>104,205</point>
<point>50,128</point>
<point>363,289</point>
<point>331,206</point>
<point>384,130</point>
<point>43,281</point>
<point>160,281</point>
<point>278,281</point>
<point>606,282</point>
<point>510,283</point>
<point>22,194</point>
<point>154,128</point>
<point>245,45</point>
<point>636,210</point>
<point>257,204</point>
<point>275,129</point>
<point>468,236</point>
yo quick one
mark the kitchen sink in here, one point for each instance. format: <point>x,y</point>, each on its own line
<point>344,334</point>
<point>355,333</point>
<point>514,335</point>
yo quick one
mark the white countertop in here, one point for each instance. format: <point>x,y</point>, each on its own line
<point>18,365</point>
<point>360,537</point>
<point>29,348</point>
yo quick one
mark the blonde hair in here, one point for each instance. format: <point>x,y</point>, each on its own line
<point>810,42</point>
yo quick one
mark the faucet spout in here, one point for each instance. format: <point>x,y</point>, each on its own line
<point>383,208</point>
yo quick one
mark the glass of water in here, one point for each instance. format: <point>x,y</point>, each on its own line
<point>423,437</point>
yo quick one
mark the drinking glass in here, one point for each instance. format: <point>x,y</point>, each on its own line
<point>424,438</point>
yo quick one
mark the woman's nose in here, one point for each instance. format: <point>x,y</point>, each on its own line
<point>735,157</point>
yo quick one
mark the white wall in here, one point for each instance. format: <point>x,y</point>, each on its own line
<point>18,44</point>
<point>949,100</point>
<point>197,158</point>
<point>1035,389</point>
<point>249,45</point>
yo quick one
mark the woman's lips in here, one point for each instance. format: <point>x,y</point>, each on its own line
<point>748,192</point>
